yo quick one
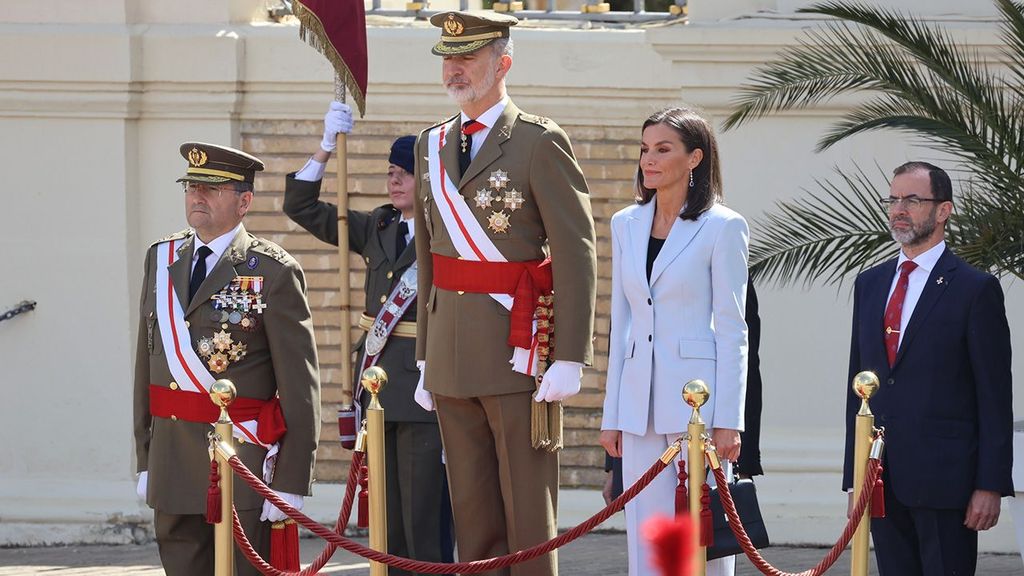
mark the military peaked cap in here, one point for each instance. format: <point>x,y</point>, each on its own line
<point>465,32</point>
<point>215,164</point>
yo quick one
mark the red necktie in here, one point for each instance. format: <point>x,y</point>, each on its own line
<point>894,311</point>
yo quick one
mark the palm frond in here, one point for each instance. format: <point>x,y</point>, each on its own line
<point>1012,29</point>
<point>825,236</point>
<point>920,81</point>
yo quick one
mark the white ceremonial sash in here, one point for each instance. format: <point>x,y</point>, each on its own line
<point>188,370</point>
<point>468,237</point>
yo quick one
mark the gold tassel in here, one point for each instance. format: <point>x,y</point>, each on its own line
<point>555,426</point>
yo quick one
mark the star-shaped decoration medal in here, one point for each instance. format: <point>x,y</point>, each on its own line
<point>218,363</point>
<point>498,222</point>
<point>514,200</point>
<point>205,347</point>
<point>237,352</point>
<point>498,179</point>
<point>484,198</point>
<point>222,341</point>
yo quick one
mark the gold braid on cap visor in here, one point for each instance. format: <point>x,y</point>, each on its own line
<point>221,173</point>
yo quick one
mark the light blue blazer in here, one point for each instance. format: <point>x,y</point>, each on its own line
<point>687,322</point>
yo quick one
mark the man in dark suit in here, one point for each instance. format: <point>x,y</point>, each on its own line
<point>934,330</point>
<point>418,509</point>
<point>218,302</point>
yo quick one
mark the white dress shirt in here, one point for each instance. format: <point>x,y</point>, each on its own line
<point>915,281</point>
<point>218,245</point>
<point>489,118</point>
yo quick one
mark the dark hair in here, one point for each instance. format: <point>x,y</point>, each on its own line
<point>695,132</point>
<point>942,188</point>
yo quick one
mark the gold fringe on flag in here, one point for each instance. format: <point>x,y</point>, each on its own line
<point>311,29</point>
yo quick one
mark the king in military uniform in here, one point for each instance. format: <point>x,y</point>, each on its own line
<point>503,224</point>
<point>418,510</point>
<point>218,302</point>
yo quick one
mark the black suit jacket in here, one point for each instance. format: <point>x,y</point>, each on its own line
<point>373,236</point>
<point>946,404</point>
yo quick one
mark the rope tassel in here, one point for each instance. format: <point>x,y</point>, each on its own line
<point>707,524</point>
<point>284,545</point>
<point>213,508</point>
<point>878,499</point>
<point>682,496</point>
<point>363,517</point>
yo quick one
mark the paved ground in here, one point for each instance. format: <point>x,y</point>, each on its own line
<point>595,554</point>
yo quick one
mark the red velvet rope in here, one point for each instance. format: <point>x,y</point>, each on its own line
<point>335,539</point>
<point>339,528</point>
<point>874,471</point>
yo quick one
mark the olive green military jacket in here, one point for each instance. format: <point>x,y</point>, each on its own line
<point>280,358</point>
<point>463,338</point>
<point>373,236</point>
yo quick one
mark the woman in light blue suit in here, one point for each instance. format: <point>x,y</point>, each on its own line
<point>679,277</point>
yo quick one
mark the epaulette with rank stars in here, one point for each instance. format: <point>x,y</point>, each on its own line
<point>186,233</point>
<point>269,248</point>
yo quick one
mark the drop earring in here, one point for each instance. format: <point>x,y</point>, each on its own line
<point>691,178</point>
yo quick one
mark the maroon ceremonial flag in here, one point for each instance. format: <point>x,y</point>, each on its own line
<point>337,28</point>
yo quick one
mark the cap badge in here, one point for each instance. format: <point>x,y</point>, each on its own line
<point>453,26</point>
<point>196,157</point>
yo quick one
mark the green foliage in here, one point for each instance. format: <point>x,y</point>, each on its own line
<point>918,80</point>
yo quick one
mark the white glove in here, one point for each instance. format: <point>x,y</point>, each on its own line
<point>421,396</point>
<point>140,488</point>
<point>561,381</point>
<point>272,514</point>
<point>337,120</point>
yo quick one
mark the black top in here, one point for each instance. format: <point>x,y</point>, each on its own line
<point>653,247</point>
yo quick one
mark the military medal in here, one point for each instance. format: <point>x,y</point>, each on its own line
<point>253,262</point>
<point>218,363</point>
<point>205,347</point>
<point>514,200</point>
<point>484,198</point>
<point>498,179</point>
<point>237,352</point>
<point>222,341</point>
<point>235,317</point>
<point>498,222</point>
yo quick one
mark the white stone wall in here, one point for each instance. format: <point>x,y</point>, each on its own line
<point>96,97</point>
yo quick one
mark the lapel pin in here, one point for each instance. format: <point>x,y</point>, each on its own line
<point>940,280</point>
<point>506,131</point>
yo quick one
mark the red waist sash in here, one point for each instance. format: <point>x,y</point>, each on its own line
<point>524,281</point>
<point>197,407</point>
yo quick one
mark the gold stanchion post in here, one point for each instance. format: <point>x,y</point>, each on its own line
<point>865,385</point>
<point>374,379</point>
<point>223,394</point>
<point>696,394</point>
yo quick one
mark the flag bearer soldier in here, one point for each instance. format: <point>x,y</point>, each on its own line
<point>218,302</point>
<point>500,192</point>
<point>418,512</point>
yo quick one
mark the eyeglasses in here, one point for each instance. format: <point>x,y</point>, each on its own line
<point>206,189</point>
<point>907,201</point>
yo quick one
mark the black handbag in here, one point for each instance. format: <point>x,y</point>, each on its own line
<point>744,496</point>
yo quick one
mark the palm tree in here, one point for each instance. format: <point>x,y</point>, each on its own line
<point>917,80</point>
